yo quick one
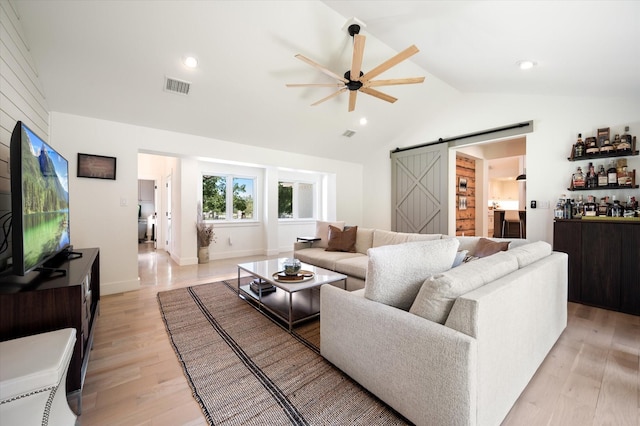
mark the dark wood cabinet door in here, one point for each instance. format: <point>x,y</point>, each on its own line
<point>601,266</point>
<point>630,273</point>
<point>567,238</point>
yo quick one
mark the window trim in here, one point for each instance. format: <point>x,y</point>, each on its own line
<point>229,178</point>
<point>295,198</point>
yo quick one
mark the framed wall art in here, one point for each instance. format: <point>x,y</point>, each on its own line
<point>462,185</point>
<point>462,203</point>
<point>96,166</point>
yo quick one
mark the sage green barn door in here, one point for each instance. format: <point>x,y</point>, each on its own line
<point>419,190</point>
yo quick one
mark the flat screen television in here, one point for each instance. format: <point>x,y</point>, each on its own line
<point>39,201</point>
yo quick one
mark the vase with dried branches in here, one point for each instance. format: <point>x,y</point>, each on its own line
<point>206,235</point>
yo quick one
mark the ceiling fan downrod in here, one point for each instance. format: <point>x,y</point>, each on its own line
<point>353,29</point>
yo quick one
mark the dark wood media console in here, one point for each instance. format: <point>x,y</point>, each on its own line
<point>604,262</point>
<point>37,303</point>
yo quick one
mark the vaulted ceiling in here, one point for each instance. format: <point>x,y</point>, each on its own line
<point>109,59</point>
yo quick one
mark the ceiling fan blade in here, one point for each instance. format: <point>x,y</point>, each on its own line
<point>315,84</point>
<point>352,100</point>
<point>333,95</point>
<point>392,82</point>
<point>378,94</point>
<point>321,68</point>
<point>406,53</point>
<point>358,53</point>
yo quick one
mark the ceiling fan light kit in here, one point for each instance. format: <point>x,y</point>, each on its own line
<point>363,82</point>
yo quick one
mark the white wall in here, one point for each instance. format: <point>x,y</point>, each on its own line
<point>104,213</point>
<point>557,121</point>
<point>21,99</point>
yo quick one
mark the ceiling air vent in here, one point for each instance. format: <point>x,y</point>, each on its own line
<point>176,86</point>
<point>348,133</point>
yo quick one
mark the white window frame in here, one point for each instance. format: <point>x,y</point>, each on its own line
<point>229,178</point>
<point>296,199</point>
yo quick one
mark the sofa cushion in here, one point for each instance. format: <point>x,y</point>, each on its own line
<point>355,266</point>
<point>322,232</point>
<point>486,247</point>
<point>364,240</point>
<point>324,259</point>
<point>386,238</point>
<point>423,237</point>
<point>529,253</point>
<point>342,240</point>
<point>396,272</point>
<point>438,293</point>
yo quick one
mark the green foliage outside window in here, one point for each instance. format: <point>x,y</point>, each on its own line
<point>285,200</point>
<point>214,197</point>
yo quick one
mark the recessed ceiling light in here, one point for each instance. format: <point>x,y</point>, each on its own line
<point>363,121</point>
<point>190,62</point>
<point>526,65</point>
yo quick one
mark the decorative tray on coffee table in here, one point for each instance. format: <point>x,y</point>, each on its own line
<point>301,276</point>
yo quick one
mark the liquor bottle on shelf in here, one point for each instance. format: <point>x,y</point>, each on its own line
<point>592,145</point>
<point>592,178</point>
<point>579,147</point>
<point>567,212</point>
<point>616,142</point>
<point>590,208</point>
<point>615,209</point>
<point>629,210</point>
<point>612,174</point>
<point>606,147</point>
<point>602,177</point>
<point>625,141</point>
<point>558,211</point>
<point>578,179</point>
<point>603,208</point>
<point>578,207</point>
<point>623,177</point>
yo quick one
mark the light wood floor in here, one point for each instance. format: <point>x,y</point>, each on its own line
<point>591,376</point>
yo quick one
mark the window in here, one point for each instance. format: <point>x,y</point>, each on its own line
<point>220,204</point>
<point>295,200</point>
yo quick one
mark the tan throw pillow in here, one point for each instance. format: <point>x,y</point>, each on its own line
<point>396,272</point>
<point>342,240</point>
<point>486,247</point>
<point>322,232</point>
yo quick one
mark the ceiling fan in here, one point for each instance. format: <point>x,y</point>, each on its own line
<point>354,80</point>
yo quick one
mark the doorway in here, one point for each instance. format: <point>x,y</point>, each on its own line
<point>496,164</point>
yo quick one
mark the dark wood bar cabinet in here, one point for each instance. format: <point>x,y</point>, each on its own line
<point>604,261</point>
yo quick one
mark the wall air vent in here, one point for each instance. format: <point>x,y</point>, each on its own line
<point>176,86</point>
<point>348,133</point>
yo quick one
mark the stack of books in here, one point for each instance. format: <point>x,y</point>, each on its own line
<point>259,285</point>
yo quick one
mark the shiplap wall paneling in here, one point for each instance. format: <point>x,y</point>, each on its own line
<point>466,216</point>
<point>21,99</point>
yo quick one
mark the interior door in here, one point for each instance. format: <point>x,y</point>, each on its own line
<point>419,190</point>
<point>168,240</point>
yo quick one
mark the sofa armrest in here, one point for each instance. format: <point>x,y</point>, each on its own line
<point>300,245</point>
<point>424,370</point>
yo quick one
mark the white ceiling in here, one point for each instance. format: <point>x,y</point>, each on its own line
<point>108,59</point>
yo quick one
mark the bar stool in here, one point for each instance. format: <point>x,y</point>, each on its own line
<point>33,375</point>
<point>512,216</point>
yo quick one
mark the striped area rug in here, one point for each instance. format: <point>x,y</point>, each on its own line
<point>244,368</point>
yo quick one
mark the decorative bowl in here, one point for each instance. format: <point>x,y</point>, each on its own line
<point>291,266</point>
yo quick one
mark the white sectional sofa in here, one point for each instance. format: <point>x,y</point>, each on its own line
<point>354,264</point>
<point>442,345</point>
<point>468,344</point>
